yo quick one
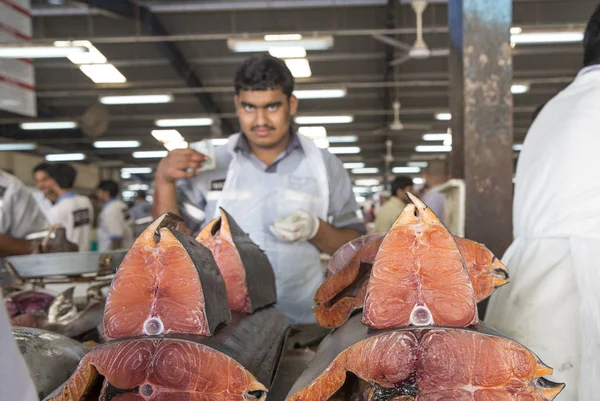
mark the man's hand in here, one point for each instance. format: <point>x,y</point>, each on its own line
<point>299,226</point>
<point>179,164</point>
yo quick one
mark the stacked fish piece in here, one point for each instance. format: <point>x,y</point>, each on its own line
<point>173,335</point>
<point>418,337</point>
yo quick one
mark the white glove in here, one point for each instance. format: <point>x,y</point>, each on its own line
<point>298,226</point>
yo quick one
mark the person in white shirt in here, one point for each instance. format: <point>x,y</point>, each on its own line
<point>435,176</point>
<point>115,229</point>
<point>70,210</point>
<point>141,208</point>
<point>19,216</point>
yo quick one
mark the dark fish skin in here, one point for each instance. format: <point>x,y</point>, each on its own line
<point>50,357</point>
<point>213,285</point>
<point>260,278</point>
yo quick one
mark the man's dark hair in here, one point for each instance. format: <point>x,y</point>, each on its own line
<point>64,174</point>
<point>110,186</point>
<point>141,194</point>
<point>46,167</point>
<point>401,182</point>
<point>264,72</point>
<point>591,40</point>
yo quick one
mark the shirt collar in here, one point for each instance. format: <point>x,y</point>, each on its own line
<point>65,196</point>
<point>589,68</point>
<point>109,202</point>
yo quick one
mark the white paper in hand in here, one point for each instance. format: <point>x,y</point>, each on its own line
<point>206,148</point>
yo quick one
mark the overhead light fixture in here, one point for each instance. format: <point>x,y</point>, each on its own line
<point>282,37</point>
<point>433,148</point>
<point>64,157</point>
<point>418,180</point>
<point>17,146</point>
<point>515,30</point>
<point>517,147</point>
<point>138,187</point>
<point>342,139</point>
<point>406,170</point>
<point>184,122</point>
<point>176,145</point>
<point>365,170</point>
<point>47,125</point>
<point>219,141</point>
<point>299,67</point>
<point>116,144</point>
<point>353,165</point>
<point>166,135</point>
<point>443,116</point>
<point>152,154</point>
<point>136,170</point>
<point>367,182</point>
<point>257,45</point>
<point>361,190</point>
<point>437,137</point>
<point>360,199</point>
<point>37,51</point>
<point>92,56</point>
<point>136,99</point>
<point>288,52</point>
<point>546,37</point>
<point>417,164</point>
<point>313,132</point>
<point>320,93</point>
<point>519,88</point>
<point>103,73</point>
<point>125,176</point>
<point>128,194</point>
<point>344,150</point>
<point>310,120</point>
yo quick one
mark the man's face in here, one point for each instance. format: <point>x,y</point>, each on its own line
<point>265,116</point>
<point>46,185</point>
<point>103,196</point>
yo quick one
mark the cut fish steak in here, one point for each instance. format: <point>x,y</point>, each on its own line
<point>344,290</point>
<point>156,369</point>
<point>419,277</point>
<point>247,272</point>
<point>424,364</point>
<point>167,283</point>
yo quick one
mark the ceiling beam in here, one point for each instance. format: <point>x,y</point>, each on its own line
<point>151,25</point>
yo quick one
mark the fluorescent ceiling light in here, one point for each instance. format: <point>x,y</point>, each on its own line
<point>128,194</point>
<point>360,190</point>
<point>434,148</point>
<point>417,164</point>
<point>367,182</point>
<point>344,150</point>
<point>32,51</point>
<point>17,146</point>
<point>321,143</point>
<point>137,99</point>
<point>93,55</point>
<point>365,170</point>
<point>219,141</point>
<point>136,170</point>
<point>320,93</point>
<point>406,170</point>
<point>517,147</point>
<point>515,30</point>
<point>153,154</point>
<point>418,180</point>
<point>360,199</point>
<point>308,120</point>
<point>258,45</point>
<point>285,36</point>
<point>519,88</point>
<point>184,122</point>
<point>125,176</point>
<point>299,67</point>
<point>166,135</point>
<point>138,187</point>
<point>49,125</point>
<point>437,137</point>
<point>443,116</point>
<point>342,139</point>
<point>313,132</point>
<point>546,37</point>
<point>116,144</point>
<point>288,52</point>
<point>103,73</point>
<point>65,157</point>
<point>176,145</point>
<point>354,165</point>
